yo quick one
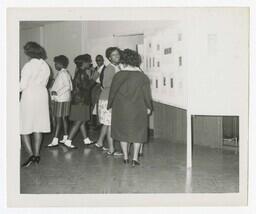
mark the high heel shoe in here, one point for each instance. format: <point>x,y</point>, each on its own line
<point>29,161</point>
<point>126,161</point>
<point>134,163</point>
<point>37,159</point>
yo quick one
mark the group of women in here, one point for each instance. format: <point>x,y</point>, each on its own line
<point>123,104</point>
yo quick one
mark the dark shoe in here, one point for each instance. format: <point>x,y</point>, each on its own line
<point>29,161</point>
<point>134,163</point>
<point>37,159</point>
<point>126,161</point>
<point>141,154</point>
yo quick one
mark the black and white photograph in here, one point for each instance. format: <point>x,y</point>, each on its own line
<point>146,102</point>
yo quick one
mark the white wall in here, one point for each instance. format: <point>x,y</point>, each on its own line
<point>63,38</point>
<point>72,38</point>
<point>217,61</point>
<point>99,29</point>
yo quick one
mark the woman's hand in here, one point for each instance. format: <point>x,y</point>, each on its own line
<point>148,111</point>
<point>54,93</point>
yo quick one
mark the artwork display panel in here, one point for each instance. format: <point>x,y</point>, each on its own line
<point>163,54</point>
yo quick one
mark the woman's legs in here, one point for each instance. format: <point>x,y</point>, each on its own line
<point>103,133</point>
<point>141,149</point>
<point>136,149</point>
<point>55,140</point>
<point>124,146</point>
<point>87,141</point>
<point>37,142</point>
<point>52,117</point>
<point>27,143</point>
<point>110,140</point>
<point>65,125</point>
<point>58,127</point>
<point>83,130</point>
<point>75,127</point>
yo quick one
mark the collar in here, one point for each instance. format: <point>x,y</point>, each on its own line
<point>101,67</point>
<point>129,68</point>
<point>113,65</point>
<point>117,67</point>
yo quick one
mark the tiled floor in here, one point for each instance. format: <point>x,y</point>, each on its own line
<point>162,170</point>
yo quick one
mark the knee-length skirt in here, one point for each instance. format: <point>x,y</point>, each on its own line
<point>104,113</point>
<point>60,109</point>
<point>79,112</point>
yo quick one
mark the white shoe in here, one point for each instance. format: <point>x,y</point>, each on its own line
<point>105,148</point>
<point>65,137</point>
<point>87,141</point>
<point>55,142</point>
<point>68,143</point>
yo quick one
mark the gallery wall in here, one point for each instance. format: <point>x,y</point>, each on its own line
<point>215,53</point>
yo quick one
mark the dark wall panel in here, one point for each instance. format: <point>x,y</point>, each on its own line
<point>169,123</point>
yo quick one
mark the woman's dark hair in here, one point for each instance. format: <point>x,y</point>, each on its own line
<point>110,50</point>
<point>99,56</point>
<point>82,58</point>
<point>34,50</point>
<point>62,60</point>
<point>130,57</point>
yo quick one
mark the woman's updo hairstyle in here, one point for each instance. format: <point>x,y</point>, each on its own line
<point>79,60</point>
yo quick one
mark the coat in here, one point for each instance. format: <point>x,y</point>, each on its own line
<point>34,103</point>
<point>81,88</point>
<point>129,98</point>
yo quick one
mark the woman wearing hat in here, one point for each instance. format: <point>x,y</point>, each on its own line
<point>80,111</point>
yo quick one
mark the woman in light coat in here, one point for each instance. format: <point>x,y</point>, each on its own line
<point>34,106</point>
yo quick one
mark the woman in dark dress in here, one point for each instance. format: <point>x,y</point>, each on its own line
<point>130,100</point>
<point>80,111</point>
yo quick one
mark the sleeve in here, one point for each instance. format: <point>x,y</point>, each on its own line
<point>113,90</point>
<point>25,76</point>
<point>109,73</point>
<point>147,94</point>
